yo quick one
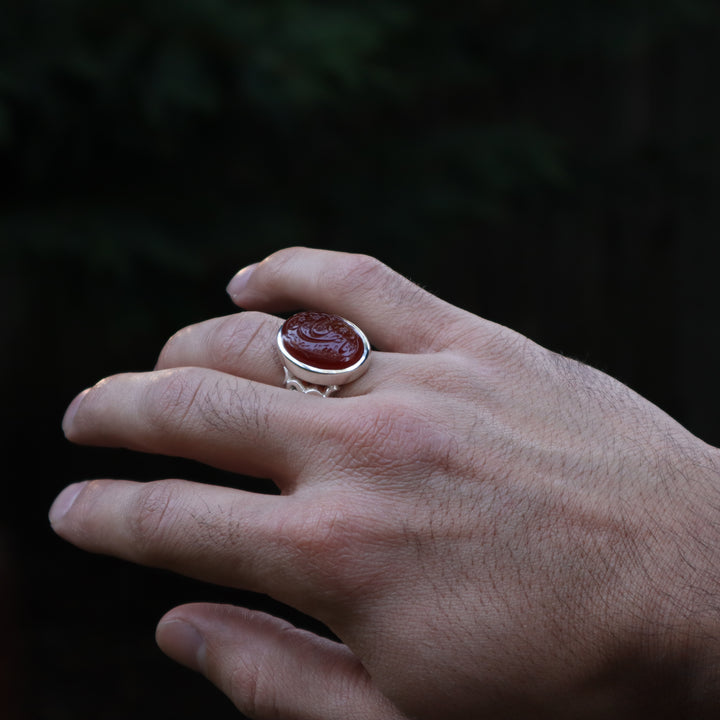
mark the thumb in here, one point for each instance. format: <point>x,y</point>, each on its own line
<point>269,668</point>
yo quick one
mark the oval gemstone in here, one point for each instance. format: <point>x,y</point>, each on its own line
<point>322,340</point>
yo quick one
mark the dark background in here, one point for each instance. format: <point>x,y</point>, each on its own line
<point>552,166</point>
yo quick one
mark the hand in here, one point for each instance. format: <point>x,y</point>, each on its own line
<point>491,529</point>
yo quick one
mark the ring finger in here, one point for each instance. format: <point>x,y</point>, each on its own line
<point>202,414</point>
<point>244,345</point>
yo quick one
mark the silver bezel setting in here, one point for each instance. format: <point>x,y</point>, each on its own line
<point>319,376</point>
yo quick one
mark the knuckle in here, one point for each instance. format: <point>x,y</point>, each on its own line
<point>322,534</point>
<point>354,273</point>
<point>284,255</point>
<point>235,334</point>
<point>328,546</point>
<point>250,686</point>
<point>394,434</point>
<point>245,408</point>
<point>277,266</point>
<point>507,350</point>
<point>503,357</point>
<point>174,350</point>
<point>152,519</point>
<point>169,399</point>
<point>86,515</point>
<point>165,358</point>
<point>226,341</point>
<point>442,373</point>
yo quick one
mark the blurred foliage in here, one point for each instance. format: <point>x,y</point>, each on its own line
<point>172,130</point>
<point>273,105</point>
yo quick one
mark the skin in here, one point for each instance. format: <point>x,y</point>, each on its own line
<point>492,530</point>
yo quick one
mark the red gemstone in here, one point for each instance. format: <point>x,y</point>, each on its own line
<point>321,340</point>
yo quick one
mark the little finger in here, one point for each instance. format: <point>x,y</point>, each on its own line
<point>396,314</point>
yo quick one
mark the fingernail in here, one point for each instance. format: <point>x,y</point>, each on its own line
<point>182,642</point>
<point>72,409</point>
<point>238,283</point>
<point>64,501</point>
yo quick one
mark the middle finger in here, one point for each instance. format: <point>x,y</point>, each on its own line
<point>202,414</point>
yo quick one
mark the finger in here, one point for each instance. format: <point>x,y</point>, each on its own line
<point>395,313</point>
<point>216,534</point>
<point>221,420</point>
<point>243,344</point>
<point>269,668</point>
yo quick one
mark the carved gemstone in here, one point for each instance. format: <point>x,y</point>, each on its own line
<point>322,341</point>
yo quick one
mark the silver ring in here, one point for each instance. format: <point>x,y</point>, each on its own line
<point>320,352</point>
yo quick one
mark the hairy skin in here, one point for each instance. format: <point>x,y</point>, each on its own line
<point>491,529</point>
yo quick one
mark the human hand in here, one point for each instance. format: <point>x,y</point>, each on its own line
<point>491,529</point>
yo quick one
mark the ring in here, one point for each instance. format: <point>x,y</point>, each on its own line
<point>320,352</point>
